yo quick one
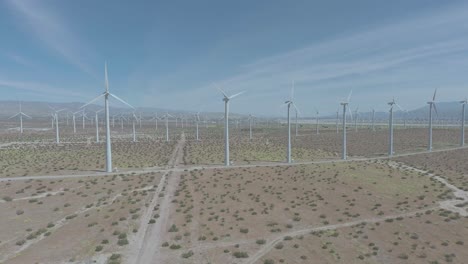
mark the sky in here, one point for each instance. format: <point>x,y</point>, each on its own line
<point>174,54</point>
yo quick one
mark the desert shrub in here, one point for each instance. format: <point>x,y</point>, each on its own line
<point>240,254</point>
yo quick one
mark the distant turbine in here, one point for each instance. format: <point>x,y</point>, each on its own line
<point>405,116</point>
<point>166,116</point>
<point>97,125</point>
<point>250,126</point>
<point>74,120</point>
<point>226,100</point>
<point>355,118</point>
<point>155,118</point>
<point>57,133</point>
<point>316,121</point>
<point>134,118</point>
<point>337,119</point>
<point>431,105</point>
<point>106,95</point>
<point>197,120</point>
<point>390,127</point>
<point>290,103</point>
<point>373,119</point>
<point>20,114</point>
<point>462,139</point>
<point>296,125</point>
<point>345,104</point>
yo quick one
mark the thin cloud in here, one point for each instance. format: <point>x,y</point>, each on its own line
<point>52,31</point>
<point>39,88</point>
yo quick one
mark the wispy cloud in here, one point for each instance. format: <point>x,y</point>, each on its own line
<point>52,30</point>
<point>20,60</point>
<point>402,58</point>
<point>39,88</point>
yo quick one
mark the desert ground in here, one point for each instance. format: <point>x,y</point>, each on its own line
<point>174,202</point>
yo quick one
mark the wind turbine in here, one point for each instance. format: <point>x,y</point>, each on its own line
<point>155,118</point>
<point>166,116</point>
<point>296,124</point>
<point>290,103</point>
<point>345,104</point>
<point>337,119</point>
<point>316,121</point>
<point>390,127</point>
<point>20,114</point>
<point>250,126</point>
<point>197,120</point>
<point>97,125</point>
<point>106,95</point>
<point>355,118</point>
<point>373,119</point>
<point>135,118</point>
<point>74,120</point>
<point>57,133</point>
<point>462,139</point>
<point>226,100</point>
<point>431,104</point>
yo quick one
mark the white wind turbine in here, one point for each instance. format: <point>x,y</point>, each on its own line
<point>57,132</point>
<point>344,154</point>
<point>431,104</point>
<point>197,120</point>
<point>296,124</point>
<point>462,138</point>
<point>155,119</point>
<point>74,120</point>
<point>373,119</point>
<point>337,119</point>
<point>226,100</point>
<point>390,127</point>
<point>290,103</point>
<point>106,95</point>
<point>166,117</point>
<point>356,118</point>
<point>20,114</point>
<point>316,121</point>
<point>251,117</point>
<point>97,124</point>
<point>134,118</point>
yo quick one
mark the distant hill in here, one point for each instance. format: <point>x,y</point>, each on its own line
<point>42,110</point>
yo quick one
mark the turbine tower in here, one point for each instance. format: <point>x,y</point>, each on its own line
<point>290,103</point>
<point>462,139</point>
<point>74,120</point>
<point>344,154</point>
<point>250,126</point>
<point>97,125</point>
<point>166,116</point>
<point>20,114</point>
<point>197,120</point>
<point>337,119</point>
<point>431,105</point>
<point>226,100</point>
<point>390,127</point>
<point>355,118</point>
<point>106,95</point>
<point>373,119</point>
<point>134,118</point>
<point>55,116</point>
<point>316,121</point>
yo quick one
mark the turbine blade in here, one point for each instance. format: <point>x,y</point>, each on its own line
<point>349,96</point>
<point>25,115</point>
<point>14,115</point>
<point>435,109</point>
<point>291,96</point>
<point>350,113</point>
<point>237,94</point>
<point>399,107</point>
<point>435,92</point>
<point>92,101</point>
<point>223,92</point>
<point>297,109</point>
<point>106,79</point>
<point>122,101</point>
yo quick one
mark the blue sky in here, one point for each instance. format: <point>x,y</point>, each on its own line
<point>172,54</point>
